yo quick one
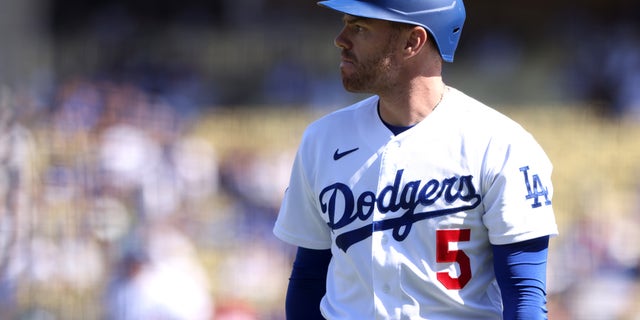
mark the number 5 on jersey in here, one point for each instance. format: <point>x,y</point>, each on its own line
<point>444,254</point>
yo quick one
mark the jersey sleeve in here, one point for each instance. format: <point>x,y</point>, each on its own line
<point>299,221</point>
<point>518,190</point>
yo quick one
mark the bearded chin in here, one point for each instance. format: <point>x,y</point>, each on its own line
<point>359,82</point>
<point>353,84</point>
<point>375,75</point>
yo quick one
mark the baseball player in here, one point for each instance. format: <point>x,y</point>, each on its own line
<point>418,202</point>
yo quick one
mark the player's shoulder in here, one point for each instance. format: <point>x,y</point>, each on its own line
<point>471,112</point>
<point>488,128</point>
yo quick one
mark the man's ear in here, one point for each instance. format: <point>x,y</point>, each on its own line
<point>416,40</point>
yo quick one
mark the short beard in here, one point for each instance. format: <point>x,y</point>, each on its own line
<point>376,73</point>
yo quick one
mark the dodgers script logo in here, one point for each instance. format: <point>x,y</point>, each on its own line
<point>458,192</point>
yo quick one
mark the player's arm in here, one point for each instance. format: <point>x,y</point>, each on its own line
<point>307,284</point>
<point>521,274</point>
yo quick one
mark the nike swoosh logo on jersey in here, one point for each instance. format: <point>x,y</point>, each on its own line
<point>338,155</point>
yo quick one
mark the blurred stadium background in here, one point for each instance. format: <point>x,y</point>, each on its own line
<point>145,146</point>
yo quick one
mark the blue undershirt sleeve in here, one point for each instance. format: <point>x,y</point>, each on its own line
<point>307,284</point>
<point>520,270</point>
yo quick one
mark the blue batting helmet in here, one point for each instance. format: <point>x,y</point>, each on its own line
<point>442,18</point>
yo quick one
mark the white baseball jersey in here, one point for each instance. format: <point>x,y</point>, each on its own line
<point>410,219</point>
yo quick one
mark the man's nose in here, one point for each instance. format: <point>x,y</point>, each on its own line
<point>341,41</point>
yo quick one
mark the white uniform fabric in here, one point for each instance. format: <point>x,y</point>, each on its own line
<point>410,219</point>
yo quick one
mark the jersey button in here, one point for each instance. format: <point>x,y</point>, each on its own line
<point>385,239</point>
<point>386,288</point>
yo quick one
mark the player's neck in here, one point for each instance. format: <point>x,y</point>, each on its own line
<point>412,104</point>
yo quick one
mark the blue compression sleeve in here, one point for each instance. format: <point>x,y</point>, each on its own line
<point>307,284</point>
<point>521,274</point>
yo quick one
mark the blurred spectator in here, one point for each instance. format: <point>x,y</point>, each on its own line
<point>18,183</point>
<point>160,278</point>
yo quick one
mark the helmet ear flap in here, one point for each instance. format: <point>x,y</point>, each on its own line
<point>443,19</point>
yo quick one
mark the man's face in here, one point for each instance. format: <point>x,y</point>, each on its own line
<point>370,57</point>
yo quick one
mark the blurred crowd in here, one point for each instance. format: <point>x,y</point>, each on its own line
<point>112,208</point>
<point>602,61</point>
